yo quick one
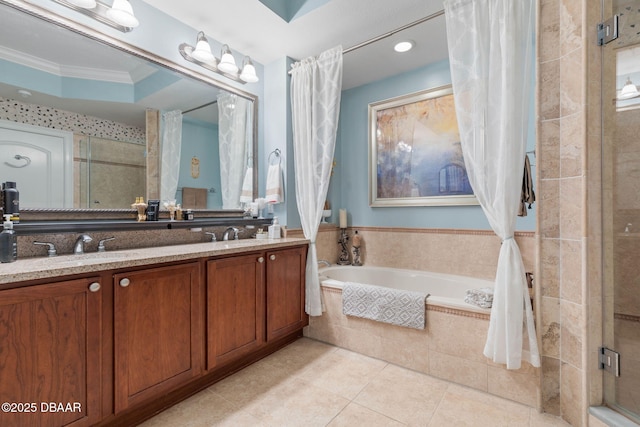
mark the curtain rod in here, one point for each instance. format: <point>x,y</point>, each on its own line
<point>202,106</point>
<point>392,32</point>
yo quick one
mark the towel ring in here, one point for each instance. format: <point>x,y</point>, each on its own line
<point>19,157</point>
<point>275,152</point>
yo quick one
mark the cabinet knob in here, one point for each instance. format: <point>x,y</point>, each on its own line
<point>261,259</point>
<point>124,282</point>
<point>272,257</point>
<point>94,287</point>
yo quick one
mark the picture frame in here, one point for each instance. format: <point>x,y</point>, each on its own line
<point>415,155</point>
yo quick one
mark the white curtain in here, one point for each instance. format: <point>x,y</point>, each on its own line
<point>316,85</point>
<point>171,145</point>
<point>490,53</point>
<point>234,112</point>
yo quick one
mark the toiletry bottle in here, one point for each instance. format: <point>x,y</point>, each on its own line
<point>8,241</point>
<point>11,201</point>
<point>274,229</point>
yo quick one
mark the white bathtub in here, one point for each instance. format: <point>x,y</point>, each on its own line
<point>446,290</point>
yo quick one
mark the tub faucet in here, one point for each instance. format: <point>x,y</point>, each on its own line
<point>324,262</point>
<point>234,230</point>
<point>78,247</point>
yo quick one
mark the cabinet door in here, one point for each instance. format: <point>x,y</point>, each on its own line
<point>235,307</point>
<point>157,331</point>
<point>285,291</point>
<point>50,345</point>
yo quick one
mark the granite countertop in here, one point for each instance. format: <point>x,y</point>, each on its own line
<point>63,265</point>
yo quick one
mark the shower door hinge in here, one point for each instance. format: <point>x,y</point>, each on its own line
<point>608,30</point>
<point>609,361</point>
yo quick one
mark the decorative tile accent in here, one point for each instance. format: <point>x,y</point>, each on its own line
<point>38,115</point>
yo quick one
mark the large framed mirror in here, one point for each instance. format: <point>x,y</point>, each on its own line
<point>90,123</point>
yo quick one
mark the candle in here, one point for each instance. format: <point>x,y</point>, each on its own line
<point>343,218</point>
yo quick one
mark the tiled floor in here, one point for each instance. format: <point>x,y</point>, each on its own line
<point>309,383</point>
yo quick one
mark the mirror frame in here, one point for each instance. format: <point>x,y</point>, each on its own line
<point>93,34</point>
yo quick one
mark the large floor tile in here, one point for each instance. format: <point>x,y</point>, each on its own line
<point>356,415</point>
<point>403,395</point>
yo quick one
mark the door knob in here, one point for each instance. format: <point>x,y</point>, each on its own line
<point>272,257</point>
<point>261,259</point>
<point>94,287</point>
<point>124,282</point>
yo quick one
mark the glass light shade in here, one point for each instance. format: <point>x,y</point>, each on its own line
<point>629,90</point>
<point>202,52</point>
<point>248,73</point>
<point>85,4</point>
<point>122,13</point>
<point>227,61</point>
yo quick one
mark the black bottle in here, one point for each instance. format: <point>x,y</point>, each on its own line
<point>11,201</point>
<point>8,242</point>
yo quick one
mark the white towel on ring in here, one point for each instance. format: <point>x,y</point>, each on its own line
<point>275,185</point>
<point>246,195</point>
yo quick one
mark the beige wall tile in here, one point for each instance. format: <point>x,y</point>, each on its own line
<point>571,271</point>
<point>550,268</point>
<point>550,330</point>
<point>571,84</point>
<point>571,345</point>
<point>571,209</point>
<point>549,207</point>
<point>549,153</point>
<point>570,26</point>
<point>551,385</point>
<point>549,90</point>
<point>514,385</point>
<point>572,407</point>
<point>459,370</point>
<point>469,335</point>
<point>549,30</point>
<point>572,146</point>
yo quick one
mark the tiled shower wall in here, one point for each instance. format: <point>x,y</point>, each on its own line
<point>569,218</point>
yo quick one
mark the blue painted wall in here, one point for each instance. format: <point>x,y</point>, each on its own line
<point>200,139</point>
<point>349,188</point>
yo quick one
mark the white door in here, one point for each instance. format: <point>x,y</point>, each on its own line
<point>40,161</point>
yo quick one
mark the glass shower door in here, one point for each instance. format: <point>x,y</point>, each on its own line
<point>621,205</point>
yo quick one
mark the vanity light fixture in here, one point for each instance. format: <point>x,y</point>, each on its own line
<point>119,16</point>
<point>629,90</point>
<point>404,46</point>
<point>226,65</point>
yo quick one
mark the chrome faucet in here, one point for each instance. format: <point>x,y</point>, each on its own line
<point>78,247</point>
<point>235,232</point>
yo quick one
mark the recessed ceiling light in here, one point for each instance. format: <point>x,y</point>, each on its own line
<point>404,46</point>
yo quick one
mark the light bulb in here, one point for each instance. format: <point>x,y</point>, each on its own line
<point>227,61</point>
<point>248,73</point>
<point>122,13</point>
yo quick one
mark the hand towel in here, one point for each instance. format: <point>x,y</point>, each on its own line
<point>246,195</point>
<point>275,185</point>
<point>528,195</point>
<point>394,306</point>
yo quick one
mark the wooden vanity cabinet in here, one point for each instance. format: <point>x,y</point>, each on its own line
<point>50,343</point>
<point>285,289</point>
<point>157,332</point>
<point>235,308</point>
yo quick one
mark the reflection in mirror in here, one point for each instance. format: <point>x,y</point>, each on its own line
<point>78,109</point>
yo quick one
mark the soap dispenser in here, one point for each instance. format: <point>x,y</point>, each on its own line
<point>274,229</point>
<point>8,241</point>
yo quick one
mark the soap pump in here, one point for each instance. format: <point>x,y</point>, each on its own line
<point>8,241</point>
<point>274,229</point>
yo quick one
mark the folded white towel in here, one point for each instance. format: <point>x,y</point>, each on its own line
<point>275,185</point>
<point>246,196</point>
<point>482,297</point>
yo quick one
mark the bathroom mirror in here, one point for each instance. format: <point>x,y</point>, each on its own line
<point>61,81</point>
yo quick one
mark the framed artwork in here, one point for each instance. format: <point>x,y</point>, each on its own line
<point>415,156</point>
